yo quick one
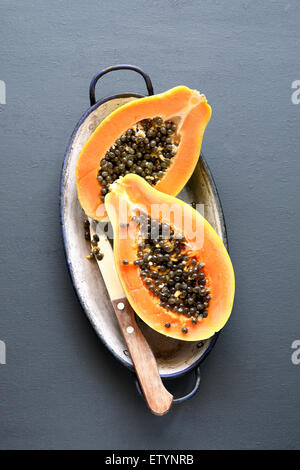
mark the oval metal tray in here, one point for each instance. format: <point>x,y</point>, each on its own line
<point>174,357</point>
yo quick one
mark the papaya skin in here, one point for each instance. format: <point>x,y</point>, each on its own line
<point>136,194</point>
<point>191,112</point>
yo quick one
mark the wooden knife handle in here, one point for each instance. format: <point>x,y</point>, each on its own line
<point>159,400</point>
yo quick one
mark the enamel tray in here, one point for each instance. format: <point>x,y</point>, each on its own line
<point>174,357</point>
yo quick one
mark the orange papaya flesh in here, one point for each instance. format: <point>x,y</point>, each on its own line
<point>132,198</point>
<point>166,159</point>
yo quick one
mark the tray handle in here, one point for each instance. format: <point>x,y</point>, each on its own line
<point>119,67</point>
<point>185,397</point>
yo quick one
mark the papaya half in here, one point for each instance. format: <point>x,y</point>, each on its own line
<point>158,137</point>
<point>174,268</point>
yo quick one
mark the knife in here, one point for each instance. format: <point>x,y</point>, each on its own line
<point>158,399</point>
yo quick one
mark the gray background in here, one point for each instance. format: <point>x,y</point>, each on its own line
<point>60,388</point>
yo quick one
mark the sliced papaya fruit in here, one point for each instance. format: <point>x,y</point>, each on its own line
<point>174,268</point>
<point>158,137</point>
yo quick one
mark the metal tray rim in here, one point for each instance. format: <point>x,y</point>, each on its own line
<point>69,264</point>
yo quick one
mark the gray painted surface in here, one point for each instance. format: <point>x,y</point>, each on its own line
<point>60,388</point>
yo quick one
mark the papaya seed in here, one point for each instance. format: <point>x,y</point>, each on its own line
<point>144,150</point>
<point>168,270</point>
